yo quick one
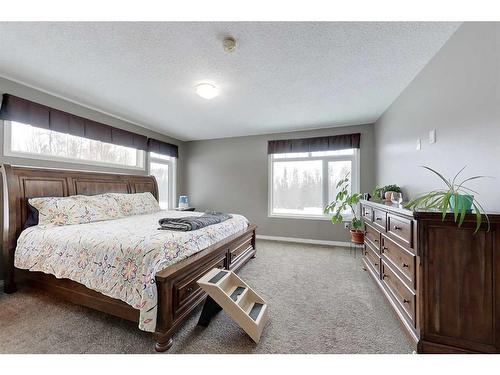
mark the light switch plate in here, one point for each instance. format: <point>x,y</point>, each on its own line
<point>419,144</point>
<point>432,136</point>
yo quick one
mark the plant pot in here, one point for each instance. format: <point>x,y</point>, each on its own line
<point>357,236</point>
<point>388,195</point>
<point>462,201</point>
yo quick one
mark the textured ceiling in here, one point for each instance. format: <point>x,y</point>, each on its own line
<point>283,76</point>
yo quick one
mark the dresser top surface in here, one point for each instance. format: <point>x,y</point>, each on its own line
<point>389,206</point>
<point>424,215</point>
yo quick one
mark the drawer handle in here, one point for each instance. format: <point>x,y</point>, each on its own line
<point>397,228</point>
<point>375,264</point>
<point>189,290</point>
<point>405,265</point>
<point>405,300</point>
<point>378,218</point>
<point>385,276</point>
<point>384,248</point>
<point>375,240</point>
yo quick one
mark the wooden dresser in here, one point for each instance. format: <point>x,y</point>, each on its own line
<point>443,282</point>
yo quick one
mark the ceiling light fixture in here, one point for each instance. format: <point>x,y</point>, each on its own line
<point>207,90</point>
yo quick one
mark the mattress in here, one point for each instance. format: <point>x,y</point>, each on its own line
<point>118,258</point>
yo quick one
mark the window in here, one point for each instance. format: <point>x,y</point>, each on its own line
<point>27,141</point>
<point>302,184</point>
<point>163,168</point>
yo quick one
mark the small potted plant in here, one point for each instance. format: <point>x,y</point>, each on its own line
<point>456,198</point>
<point>389,189</point>
<point>346,202</point>
<point>385,192</point>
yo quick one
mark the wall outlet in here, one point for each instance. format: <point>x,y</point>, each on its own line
<point>419,145</point>
<point>346,225</point>
<point>432,136</point>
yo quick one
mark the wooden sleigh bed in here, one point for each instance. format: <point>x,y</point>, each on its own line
<point>178,292</point>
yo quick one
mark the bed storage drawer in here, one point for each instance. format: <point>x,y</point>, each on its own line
<point>240,249</point>
<point>187,289</point>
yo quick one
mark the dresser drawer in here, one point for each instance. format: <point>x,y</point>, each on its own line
<point>372,257</point>
<point>367,213</point>
<point>379,219</point>
<point>372,236</point>
<point>400,229</point>
<point>404,297</point>
<point>400,258</point>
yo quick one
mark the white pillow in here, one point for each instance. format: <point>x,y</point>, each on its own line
<point>80,209</point>
<point>135,204</point>
<point>75,209</point>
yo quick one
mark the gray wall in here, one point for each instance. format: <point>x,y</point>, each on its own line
<point>13,88</point>
<point>231,174</point>
<point>457,94</point>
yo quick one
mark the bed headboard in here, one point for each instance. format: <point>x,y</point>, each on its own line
<point>22,183</point>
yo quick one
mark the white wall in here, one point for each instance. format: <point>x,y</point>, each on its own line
<point>231,175</point>
<point>457,94</point>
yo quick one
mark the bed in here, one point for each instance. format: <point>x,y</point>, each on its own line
<point>175,294</point>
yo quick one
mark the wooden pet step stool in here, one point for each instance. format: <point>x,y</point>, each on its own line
<point>227,291</point>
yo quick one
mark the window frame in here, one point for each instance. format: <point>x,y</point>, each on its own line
<point>355,182</point>
<point>172,177</point>
<point>7,151</point>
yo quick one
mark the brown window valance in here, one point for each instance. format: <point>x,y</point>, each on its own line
<point>25,111</point>
<point>163,148</point>
<point>330,143</point>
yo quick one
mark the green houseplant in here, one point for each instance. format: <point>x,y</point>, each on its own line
<point>344,202</point>
<point>380,192</point>
<point>455,198</point>
<point>377,192</point>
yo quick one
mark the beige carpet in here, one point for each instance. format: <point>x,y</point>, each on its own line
<point>320,300</point>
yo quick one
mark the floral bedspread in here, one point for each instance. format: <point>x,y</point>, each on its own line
<point>118,258</point>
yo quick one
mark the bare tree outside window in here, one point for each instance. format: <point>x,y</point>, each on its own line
<point>28,139</point>
<point>302,184</point>
<point>163,168</point>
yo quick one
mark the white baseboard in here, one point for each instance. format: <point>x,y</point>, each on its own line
<point>303,240</point>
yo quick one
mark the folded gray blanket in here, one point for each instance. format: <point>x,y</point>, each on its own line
<point>190,223</point>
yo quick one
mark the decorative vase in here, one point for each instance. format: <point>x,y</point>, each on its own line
<point>388,195</point>
<point>357,236</point>
<point>396,197</point>
<point>463,201</point>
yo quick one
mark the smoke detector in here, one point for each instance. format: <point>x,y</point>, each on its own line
<point>229,44</point>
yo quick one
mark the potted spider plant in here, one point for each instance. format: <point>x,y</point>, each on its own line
<point>346,202</point>
<point>455,198</point>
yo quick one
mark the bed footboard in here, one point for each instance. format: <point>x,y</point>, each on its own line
<point>178,292</point>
